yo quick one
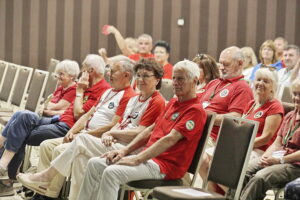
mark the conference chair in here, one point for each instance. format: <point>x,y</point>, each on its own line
<point>19,91</point>
<point>166,89</point>
<point>228,166</point>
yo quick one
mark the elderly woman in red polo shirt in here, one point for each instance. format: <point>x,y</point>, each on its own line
<point>66,73</point>
<point>265,109</point>
<point>280,163</point>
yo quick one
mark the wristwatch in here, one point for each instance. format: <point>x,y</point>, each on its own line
<point>281,160</point>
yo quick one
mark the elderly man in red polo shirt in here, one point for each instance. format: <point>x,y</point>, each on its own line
<point>229,94</point>
<point>170,143</point>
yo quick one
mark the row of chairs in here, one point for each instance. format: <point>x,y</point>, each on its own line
<point>23,88</point>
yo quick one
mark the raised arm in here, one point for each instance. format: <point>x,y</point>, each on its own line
<point>120,40</point>
<point>82,85</point>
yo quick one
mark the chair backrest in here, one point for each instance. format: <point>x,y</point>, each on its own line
<point>8,82</point>
<point>285,94</point>
<point>52,65</point>
<point>166,89</point>
<point>195,165</point>
<point>288,107</point>
<point>50,85</point>
<point>232,152</point>
<point>3,66</point>
<point>21,85</point>
<point>36,90</point>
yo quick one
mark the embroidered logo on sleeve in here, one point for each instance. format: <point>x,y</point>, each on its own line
<point>224,93</point>
<point>190,125</point>
<point>201,91</point>
<point>258,114</point>
<point>174,116</point>
<point>111,105</point>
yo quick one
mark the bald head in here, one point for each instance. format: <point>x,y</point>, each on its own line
<point>231,60</point>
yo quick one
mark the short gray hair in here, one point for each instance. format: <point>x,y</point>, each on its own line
<point>295,83</point>
<point>272,75</point>
<point>190,67</point>
<point>71,67</point>
<point>96,62</point>
<point>292,46</point>
<point>126,64</point>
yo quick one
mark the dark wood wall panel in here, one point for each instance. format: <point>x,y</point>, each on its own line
<point>33,31</point>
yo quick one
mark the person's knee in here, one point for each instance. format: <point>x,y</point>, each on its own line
<point>27,116</point>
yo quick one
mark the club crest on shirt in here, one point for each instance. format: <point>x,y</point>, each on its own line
<point>174,116</point>
<point>190,125</point>
<point>135,115</point>
<point>224,93</point>
<point>85,98</point>
<point>258,114</point>
<point>111,105</point>
<point>201,90</point>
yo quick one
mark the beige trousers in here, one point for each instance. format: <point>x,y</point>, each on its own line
<point>49,150</point>
<point>75,157</point>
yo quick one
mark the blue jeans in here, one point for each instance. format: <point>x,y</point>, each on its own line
<point>292,190</point>
<point>26,127</point>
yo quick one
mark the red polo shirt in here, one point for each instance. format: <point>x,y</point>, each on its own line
<point>188,118</point>
<point>270,108</point>
<point>168,70</point>
<point>68,94</point>
<point>230,95</point>
<point>137,56</point>
<point>89,98</point>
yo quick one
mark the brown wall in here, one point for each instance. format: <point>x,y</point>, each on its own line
<point>33,31</point>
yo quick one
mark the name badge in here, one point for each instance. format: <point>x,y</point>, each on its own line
<point>205,104</point>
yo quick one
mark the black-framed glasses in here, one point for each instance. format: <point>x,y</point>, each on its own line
<point>143,76</point>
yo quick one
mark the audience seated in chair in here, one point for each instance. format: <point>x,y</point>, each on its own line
<point>141,112</point>
<point>28,128</point>
<point>280,163</point>
<point>268,57</point>
<point>291,58</point>
<point>208,70</point>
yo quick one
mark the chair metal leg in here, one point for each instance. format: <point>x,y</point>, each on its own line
<point>122,192</point>
<point>26,162</point>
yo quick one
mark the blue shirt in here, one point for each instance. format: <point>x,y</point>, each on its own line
<point>277,65</point>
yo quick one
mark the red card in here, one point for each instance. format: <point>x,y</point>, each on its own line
<point>104,29</point>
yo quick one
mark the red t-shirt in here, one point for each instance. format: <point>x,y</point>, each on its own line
<point>89,98</point>
<point>68,94</point>
<point>293,144</point>
<point>137,56</point>
<point>188,118</point>
<point>231,95</point>
<point>270,108</point>
<point>168,70</point>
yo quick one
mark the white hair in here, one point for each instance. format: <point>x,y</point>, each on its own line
<point>69,66</point>
<point>271,75</point>
<point>96,62</point>
<point>190,67</point>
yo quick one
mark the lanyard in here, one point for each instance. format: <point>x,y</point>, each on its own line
<point>290,132</point>
<point>248,112</point>
<point>127,121</point>
<point>213,94</point>
<point>100,103</point>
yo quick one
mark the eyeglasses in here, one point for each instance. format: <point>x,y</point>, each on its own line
<point>143,76</point>
<point>59,74</point>
<point>271,68</point>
